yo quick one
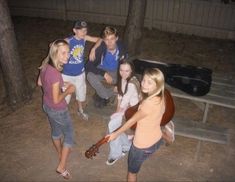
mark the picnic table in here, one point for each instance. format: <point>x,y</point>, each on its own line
<point>222,93</point>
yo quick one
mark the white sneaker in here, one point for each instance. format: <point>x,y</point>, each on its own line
<point>124,153</point>
<point>110,162</point>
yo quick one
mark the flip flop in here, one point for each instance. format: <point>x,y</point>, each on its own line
<point>64,174</point>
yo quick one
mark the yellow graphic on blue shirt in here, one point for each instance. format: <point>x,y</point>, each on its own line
<point>76,54</point>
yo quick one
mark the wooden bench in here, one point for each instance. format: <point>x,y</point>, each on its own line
<point>201,131</point>
<point>222,93</point>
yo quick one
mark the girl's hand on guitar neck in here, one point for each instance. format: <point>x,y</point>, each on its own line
<point>111,136</point>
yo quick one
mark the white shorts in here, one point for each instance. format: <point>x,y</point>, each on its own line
<point>80,84</point>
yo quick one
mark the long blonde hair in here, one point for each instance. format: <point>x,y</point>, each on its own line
<point>157,76</point>
<point>52,57</point>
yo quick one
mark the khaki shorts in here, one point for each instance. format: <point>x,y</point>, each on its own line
<point>80,84</point>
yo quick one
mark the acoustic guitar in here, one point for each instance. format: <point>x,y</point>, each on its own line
<point>167,116</point>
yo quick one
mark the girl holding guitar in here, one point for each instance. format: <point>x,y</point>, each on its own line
<point>148,134</point>
<point>128,88</point>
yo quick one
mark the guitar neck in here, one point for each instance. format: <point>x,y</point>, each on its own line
<point>101,142</point>
<point>95,148</point>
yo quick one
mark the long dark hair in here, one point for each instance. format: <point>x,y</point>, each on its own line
<point>119,78</point>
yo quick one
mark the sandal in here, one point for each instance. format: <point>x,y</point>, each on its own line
<point>64,174</point>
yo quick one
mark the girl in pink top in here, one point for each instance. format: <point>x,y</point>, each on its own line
<point>148,135</point>
<point>54,103</point>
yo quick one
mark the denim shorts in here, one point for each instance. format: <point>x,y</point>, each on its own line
<point>61,125</point>
<point>137,156</point>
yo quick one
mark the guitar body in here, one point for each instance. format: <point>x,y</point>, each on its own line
<point>167,116</point>
<point>193,80</point>
<point>169,110</point>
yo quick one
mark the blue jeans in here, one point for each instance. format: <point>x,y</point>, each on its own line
<point>61,125</point>
<point>137,156</point>
<point>96,81</point>
<point>121,143</point>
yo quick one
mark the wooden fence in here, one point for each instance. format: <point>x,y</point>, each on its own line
<point>207,18</point>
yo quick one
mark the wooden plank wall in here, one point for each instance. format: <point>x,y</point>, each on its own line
<point>208,18</point>
<point>104,11</point>
<point>204,18</point>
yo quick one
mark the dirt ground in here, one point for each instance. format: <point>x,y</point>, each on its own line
<point>26,150</point>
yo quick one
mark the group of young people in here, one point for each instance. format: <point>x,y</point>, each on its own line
<point>64,72</point>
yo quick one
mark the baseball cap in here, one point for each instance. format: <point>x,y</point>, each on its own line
<point>80,24</point>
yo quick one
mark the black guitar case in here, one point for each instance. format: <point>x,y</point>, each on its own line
<point>193,80</point>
